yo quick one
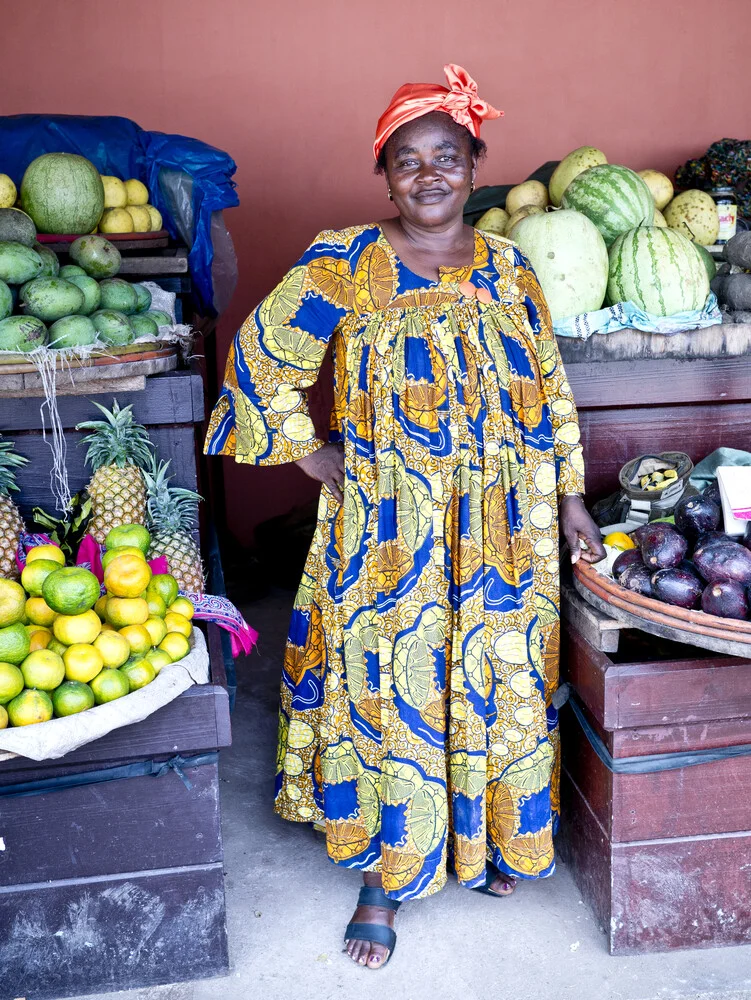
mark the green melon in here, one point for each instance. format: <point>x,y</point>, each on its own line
<point>6,300</point>
<point>144,298</point>
<point>51,298</point>
<point>615,198</point>
<point>63,193</point>
<point>98,257</point>
<point>92,296</point>
<point>22,333</point>
<point>16,226</point>
<point>119,295</point>
<point>707,260</point>
<point>160,317</point>
<point>50,263</point>
<point>658,270</point>
<point>570,259</point>
<point>18,263</point>
<point>113,328</point>
<point>68,270</point>
<point>144,326</point>
<point>72,331</point>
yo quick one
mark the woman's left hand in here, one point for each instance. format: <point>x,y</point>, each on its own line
<point>577,526</point>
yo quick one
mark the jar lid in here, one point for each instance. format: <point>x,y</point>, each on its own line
<point>724,191</point>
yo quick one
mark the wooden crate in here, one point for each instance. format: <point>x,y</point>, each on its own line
<point>661,858</point>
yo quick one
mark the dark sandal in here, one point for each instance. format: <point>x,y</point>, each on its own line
<point>374,933</point>
<point>491,874</point>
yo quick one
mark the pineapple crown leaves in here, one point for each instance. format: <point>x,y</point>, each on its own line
<point>10,460</point>
<point>170,508</point>
<point>117,440</point>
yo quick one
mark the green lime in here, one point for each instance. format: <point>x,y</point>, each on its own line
<point>43,669</point>
<point>35,573</point>
<point>11,682</point>
<point>72,697</point>
<point>71,590</point>
<point>15,644</point>
<point>56,646</point>
<point>12,602</point>
<point>128,534</point>
<point>108,685</point>
<point>29,707</point>
<point>164,585</point>
<point>139,673</point>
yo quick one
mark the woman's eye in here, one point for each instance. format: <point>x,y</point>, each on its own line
<point>447,159</point>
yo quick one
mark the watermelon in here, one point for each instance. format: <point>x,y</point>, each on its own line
<point>144,298</point>
<point>615,198</point>
<point>18,263</point>
<point>92,297</point>
<point>707,260</point>
<point>6,300</point>
<point>144,326</point>
<point>72,331</point>
<point>50,263</point>
<point>160,317</point>
<point>657,269</point>
<point>119,295</point>
<point>63,193</point>
<point>51,298</point>
<point>22,333</point>
<point>68,270</point>
<point>17,227</point>
<point>570,258</point>
<point>113,328</point>
<point>98,257</point>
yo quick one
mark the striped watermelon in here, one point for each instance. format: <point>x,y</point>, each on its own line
<point>63,193</point>
<point>615,198</point>
<point>658,270</point>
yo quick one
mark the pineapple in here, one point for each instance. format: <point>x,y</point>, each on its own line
<point>172,513</point>
<point>118,449</point>
<point>11,523</point>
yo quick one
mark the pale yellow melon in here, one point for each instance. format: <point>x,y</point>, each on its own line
<point>116,220</point>
<point>522,213</point>
<point>659,219</point>
<point>156,218</point>
<point>571,166</point>
<point>115,195</point>
<point>138,193</point>
<point>141,218</point>
<point>694,214</point>
<point>493,221</point>
<point>8,192</point>
<point>660,185</point>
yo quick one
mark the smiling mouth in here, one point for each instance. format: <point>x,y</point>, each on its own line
<point>430,196</point>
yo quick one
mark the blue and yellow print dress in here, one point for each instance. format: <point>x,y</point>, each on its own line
<point>416,720</point>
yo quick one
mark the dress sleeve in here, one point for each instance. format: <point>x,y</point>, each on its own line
<point>261,417</point>
<point>569,457</point>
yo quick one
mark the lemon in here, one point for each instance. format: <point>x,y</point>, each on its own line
<point>11,682</point>
<point>12,604</point>
<point>109,685</point>
<point>178,623</point>
<point>141,218</point>
<point>39,639</point>
<point>165,586</point>
<point>8,193</point>
<point>53,552</point>
<point>116,220</point>
<point>138,638</point>
<point>158,658</point>
<point>113,648</point>
<point>156,218</point>
<point>139,674</point>
<point>71,590</point>
<point>127,576</point>
<point>35,573</point>
<point>157,607</point>
<point>56,646</point>
<point>121,550</point>
<point>122,611</point>
<point>619,540</point>
<point>156,629</point>
<point>138,193</point>
<point>182,606</point>
<point>30,707</point>
<point>39,612</point>
<point>82,662</point>
<point>3,718</point>
<point>115,193</point>
<point>128,535</point>
<point>15,644</point>
<point>176,645</point>
<point>43,669</point>
<point>72,697</point>
<point>72,629</point>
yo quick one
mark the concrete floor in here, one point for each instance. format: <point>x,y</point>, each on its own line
<point>288,906</point>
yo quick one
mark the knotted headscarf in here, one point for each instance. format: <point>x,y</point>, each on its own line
<point>414,100</point>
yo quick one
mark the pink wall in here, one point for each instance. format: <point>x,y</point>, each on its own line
<point>293,88</point>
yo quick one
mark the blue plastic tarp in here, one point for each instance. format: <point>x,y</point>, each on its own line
<point>188,180</point>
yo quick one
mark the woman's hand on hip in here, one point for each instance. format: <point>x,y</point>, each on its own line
<point>577,527</point>
<point>327,466</point>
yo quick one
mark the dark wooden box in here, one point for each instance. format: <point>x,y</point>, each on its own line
<point>118,884</point>
<point>663,859</point>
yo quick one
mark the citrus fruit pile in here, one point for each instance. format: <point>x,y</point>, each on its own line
<point>64,648</point>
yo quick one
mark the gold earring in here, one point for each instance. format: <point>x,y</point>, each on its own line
<point>391,197</point>
<point>472,188</point>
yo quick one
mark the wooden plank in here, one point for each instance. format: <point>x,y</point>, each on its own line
<point>595,627</point>
<point>721,341</point>
<point>678,738</point>
<point>131,824</point>
<point>585,770</point>
<point>584,846</point>
<point>153,265</point>
<point>92,387</point>
<point>585,668</point>
<point>121,932</point>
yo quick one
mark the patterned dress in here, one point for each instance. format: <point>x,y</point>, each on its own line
<point>416,720</point>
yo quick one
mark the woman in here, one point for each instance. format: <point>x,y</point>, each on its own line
<point>416,719</point>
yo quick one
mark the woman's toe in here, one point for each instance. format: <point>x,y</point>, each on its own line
<point>377,956</point>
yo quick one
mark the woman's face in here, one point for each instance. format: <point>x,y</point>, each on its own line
<point>430,170</point>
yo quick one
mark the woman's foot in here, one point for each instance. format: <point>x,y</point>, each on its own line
<point>369,953</point>
<point>503,885</point>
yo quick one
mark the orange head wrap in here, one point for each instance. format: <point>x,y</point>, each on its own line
<point>414,100</point>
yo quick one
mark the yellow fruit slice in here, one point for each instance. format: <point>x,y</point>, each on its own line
<point>39,612</point>
<point>43,670</point>
<point>156,629</point>
<point>176,645</point>
<point>109,685</point>
<point>113,648</point>
<point>52,552</point>
<point>12,602</point>
<point>30,707</point>
<point>138,193</point>
<point>139,674</point>
<point>138,638</point>
<point>116,220</point>
<point>141,218</point>
<point>82,662</point>
<point>127,576</point>
<point>115,192</point>
<point>72,629</point>
<point>619,540</point>
<point>182,606</point>
<point>177,623</point>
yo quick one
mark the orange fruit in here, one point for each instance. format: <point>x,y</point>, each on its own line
<point>39,612</point>
<point>82,662</point>
<point>71,590</point>
<point>165,585</point>
<point>35,573</point>
<point>11,682</point>
<point>39,639</point>
<point>15,644</point>
<point>176,645</point>
<point>156,629</point>
<point>12,604</point>
<point>139,674</point>
<point>127,576</point>
<point>72,697</point>
<point>182,606</point>
<point>157,607</point>
<point>128,535</point>
<point>138,638</point>
<point>72,629</point>
<point>158,658</point>
<point>619,540</point>
<point>122,611</point>
<point>53,552</point>
<point>43,669</point>
<point>122,550</point>
<point>178,623</point>
<point>114,648</point>
<point>109,685</point>
<point>29,707</point>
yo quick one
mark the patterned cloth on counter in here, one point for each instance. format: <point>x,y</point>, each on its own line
<point>626,315</point>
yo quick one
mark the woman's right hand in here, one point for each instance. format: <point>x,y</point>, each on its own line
<point>327,466</point>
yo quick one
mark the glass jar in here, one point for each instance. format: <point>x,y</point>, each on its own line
<point>727,210</point>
